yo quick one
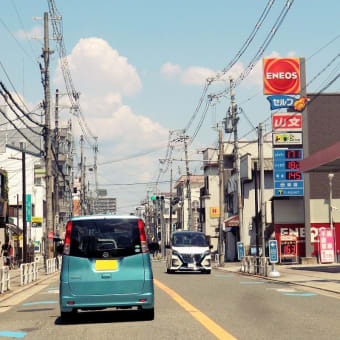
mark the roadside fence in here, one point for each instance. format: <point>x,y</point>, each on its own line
<point>256,265</point>
<point>5,279</point>
<point>28,272</point>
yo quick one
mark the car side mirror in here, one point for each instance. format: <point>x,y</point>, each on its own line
<point>211,246</point>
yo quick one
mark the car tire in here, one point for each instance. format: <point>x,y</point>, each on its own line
<point>66,316</point>
<point>207,271</point>
<point>148,314</point>
<point>169,271</point>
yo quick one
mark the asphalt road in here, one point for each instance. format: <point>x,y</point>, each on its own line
<point>188,306</point>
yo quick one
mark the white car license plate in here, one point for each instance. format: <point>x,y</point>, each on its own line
<point>191,265</point>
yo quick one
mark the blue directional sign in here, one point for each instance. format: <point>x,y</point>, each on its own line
<point>240,250</point>
<point>273,253</point>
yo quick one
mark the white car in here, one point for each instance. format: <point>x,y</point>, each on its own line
<point>189,250</point>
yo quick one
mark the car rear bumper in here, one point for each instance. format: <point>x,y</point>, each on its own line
<point>144,300</point>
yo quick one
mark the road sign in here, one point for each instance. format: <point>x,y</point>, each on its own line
<point>289,192</point>
<point>273,252</point>
<point>240,250</point>
<point>28,208</point>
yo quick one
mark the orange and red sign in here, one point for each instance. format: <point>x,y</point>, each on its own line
<point>281,75</point>
<point>287,122</point>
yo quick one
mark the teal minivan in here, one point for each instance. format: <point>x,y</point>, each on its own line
<point>106,263</point>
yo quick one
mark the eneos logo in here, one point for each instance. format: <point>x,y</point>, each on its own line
<point>281,75</point>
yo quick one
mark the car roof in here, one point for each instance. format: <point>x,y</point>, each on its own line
<point>187,232</point>
<point>104,217</point>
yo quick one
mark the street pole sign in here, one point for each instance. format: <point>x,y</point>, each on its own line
<point>273,252</point>
<point>28,208</point>
<point>240,250</point>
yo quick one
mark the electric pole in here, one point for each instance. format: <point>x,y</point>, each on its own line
<point>48,161</point>
<point>56,177</point>
<point>262,201</point>
<point>170,207</point>
<point>221,186</point>
<point>24,222</point>
<point>188,181</point>
<point>234,113</point>
<point>82,176</point>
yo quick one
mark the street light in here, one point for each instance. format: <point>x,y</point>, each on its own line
<point>330,177</point>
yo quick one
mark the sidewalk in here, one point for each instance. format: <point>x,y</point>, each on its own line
<point>16,287</point>
<point>320,276</point>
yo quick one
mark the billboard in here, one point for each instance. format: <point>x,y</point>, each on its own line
<point>281,76</point>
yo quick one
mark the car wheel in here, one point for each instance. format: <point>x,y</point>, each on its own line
<point>148,314</point>
<point>208,271</point>
<point>66,316</point>
<point>169,271</point>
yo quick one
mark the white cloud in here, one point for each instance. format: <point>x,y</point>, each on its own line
<point>104,78</point>
<point>97,68</point>
<point>36,32</point>
<point>170,70</point>
<point>196,75</point>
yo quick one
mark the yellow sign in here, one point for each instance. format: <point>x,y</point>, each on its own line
<point>14,237</point>
<point>214,211</point>
<point>37,219</point>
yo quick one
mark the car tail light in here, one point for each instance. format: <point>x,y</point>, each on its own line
<point>142,236</point>
<point>67,243</point>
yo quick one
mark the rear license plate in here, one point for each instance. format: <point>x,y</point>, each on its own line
<point>191,265</point>
<point>106,264</point>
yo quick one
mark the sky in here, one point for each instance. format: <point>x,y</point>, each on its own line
<point>141,68</point>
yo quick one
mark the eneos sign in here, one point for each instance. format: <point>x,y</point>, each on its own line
<point>281,75</point>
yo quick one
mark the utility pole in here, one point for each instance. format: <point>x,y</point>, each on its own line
<point>188,182</point>
<point>56,177</point>
<point>262,201</point>
<point>48,160</point>
<point>170,207</point>
<point>234,113</point>
<point>95,173</point>
<point>82,176</point>
<point>221,186</point>
<point>24,222</point>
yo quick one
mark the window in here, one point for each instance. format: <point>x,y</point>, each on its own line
<point>115,237</point>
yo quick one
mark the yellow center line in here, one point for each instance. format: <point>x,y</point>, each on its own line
<point>209,324</point>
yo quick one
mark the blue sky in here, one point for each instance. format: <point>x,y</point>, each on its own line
<point>140,67</point>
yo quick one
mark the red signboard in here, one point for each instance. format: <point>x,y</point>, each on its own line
<point>299,231</point>
<point>281,75</point>
<point>287,122</point>
<point>326,245</point>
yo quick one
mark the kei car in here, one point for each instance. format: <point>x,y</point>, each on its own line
<point>106,263</point>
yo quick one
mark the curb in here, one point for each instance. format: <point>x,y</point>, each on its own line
<point>278,280</point>
<point>8,294</point>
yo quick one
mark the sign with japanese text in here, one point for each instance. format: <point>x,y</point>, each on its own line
<point>298,230</point>
<point>326,245</point>
<point>287,138</point>
<point>28,208</point>
<point>281,76</point>
<point>281,102</point>
<point>288,179</point>
<point>273,252</point>
<point>288,249</point>
<point>240,250</point>
<point>36,222</point>
<point>287,122</point>
<point>214,212</point>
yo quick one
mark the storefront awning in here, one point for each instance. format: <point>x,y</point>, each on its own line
<point>326,160</point>
<point>232,221</point>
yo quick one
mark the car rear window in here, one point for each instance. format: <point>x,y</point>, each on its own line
<point>107,238</point>
<point>189,239</point>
